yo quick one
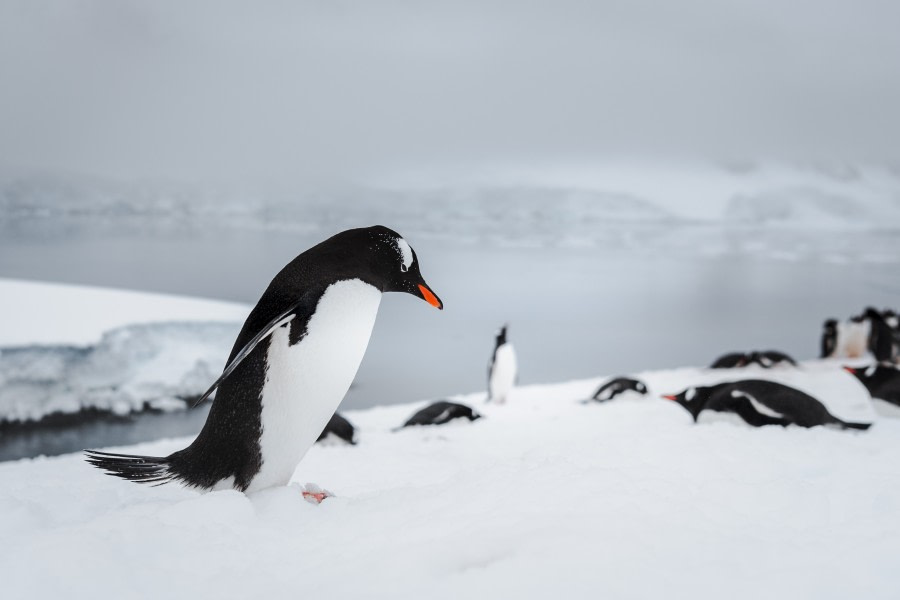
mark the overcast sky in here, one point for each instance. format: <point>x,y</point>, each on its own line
<point>332,89</point>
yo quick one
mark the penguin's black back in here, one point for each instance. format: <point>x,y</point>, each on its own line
<point>441,412</point>
<point>730,361</point>
<point>339,426</point>
<point>770,358</point>
<point>794,406</point>
<point>616,386</point>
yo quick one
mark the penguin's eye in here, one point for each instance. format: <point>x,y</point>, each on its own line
<point>403,268</point>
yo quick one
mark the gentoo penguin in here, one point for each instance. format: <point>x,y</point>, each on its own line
<point>770,358</point>
<point>441,412</point>
<point>503,370</point>
<point>291,365</point>
<point>339,427</point>
<point>730,361</point>
<point>853,337</point>
<point>614,387</point>
<point>829,338</point>
<point>881,344</point>
<point>760,402</point>
<point>883,382</point>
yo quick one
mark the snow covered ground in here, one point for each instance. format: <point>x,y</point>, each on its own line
<point>545,497</point>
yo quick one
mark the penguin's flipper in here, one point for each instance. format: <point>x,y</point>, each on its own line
<point>139,469</point>
<point>274,324</point>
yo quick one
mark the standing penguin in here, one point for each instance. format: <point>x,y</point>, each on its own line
<point>291,365</point>
<point>760,402</point>
<point>829,341</point>
<point>503,370</point>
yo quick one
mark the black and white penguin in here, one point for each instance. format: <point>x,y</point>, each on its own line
<point>882,381</point>
<point>829,342</point>
<point>617,386</point>
<point>291,365</point>
<point>441,412</point>
<point>760,402</point>
<point>770,358</point>
<point>730,361</point>
<point>882,343</point>
<point>340,428</point>
<point>503,369</point>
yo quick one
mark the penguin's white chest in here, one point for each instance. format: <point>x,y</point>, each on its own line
<point>306,382</point>
<point>503,373</point>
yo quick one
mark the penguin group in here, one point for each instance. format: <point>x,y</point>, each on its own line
<point>874,331</point>
<point>764,358</point>
<point>301,345</point>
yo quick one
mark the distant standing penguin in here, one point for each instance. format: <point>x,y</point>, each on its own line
<point>760,402</point>
<point>617,386</point>
<point>829,338</point>
<point>339,427</point>
<point>441,412</point>
<point>503,370</point>
<point>291,365</point>
<point>883,382</point>
<point>881,336</point>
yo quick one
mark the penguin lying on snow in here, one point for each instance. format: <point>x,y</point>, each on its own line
<point>339,427</point>
<point>764,358</point>
<point>503,370</point>
<point>439,413</point>
<point>759,403</point>
<point>617,386</point>
<point>291,365</point>
<point>883,382</point>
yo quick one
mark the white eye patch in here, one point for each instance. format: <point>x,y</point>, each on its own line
<point>406,254</point>
<point>689,395</point>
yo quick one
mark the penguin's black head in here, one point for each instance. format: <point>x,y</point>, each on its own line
<point>501,336</point>
<point>692,399</point>
<point>396,267</point>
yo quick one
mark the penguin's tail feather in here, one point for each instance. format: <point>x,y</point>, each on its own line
<point>140,469</point>
<point>861,426</point>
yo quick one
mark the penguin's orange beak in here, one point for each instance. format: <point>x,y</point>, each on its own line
<point>850,370</point>
<point>670,397</point>
<point>430,297</point>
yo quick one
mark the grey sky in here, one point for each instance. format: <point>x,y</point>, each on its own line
<point>334,89</point>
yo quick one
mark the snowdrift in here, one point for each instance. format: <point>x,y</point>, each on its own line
<point>543,497</point>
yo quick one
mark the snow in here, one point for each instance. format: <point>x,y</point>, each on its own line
<point>34,313</point>
<point>544,496</point>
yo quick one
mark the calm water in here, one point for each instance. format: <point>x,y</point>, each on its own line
<point>645,298</point>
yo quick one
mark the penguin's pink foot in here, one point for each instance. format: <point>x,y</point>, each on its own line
<point>314,494</point>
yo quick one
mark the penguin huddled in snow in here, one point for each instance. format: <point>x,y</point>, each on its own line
<point>882,381</point>
<point>759,402</point>
<point>290,367</point>
<point>618,386</point>
<point>439,413</point>
<point>503,369</point>
<point>764,358</point>
<point>340,428</point>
